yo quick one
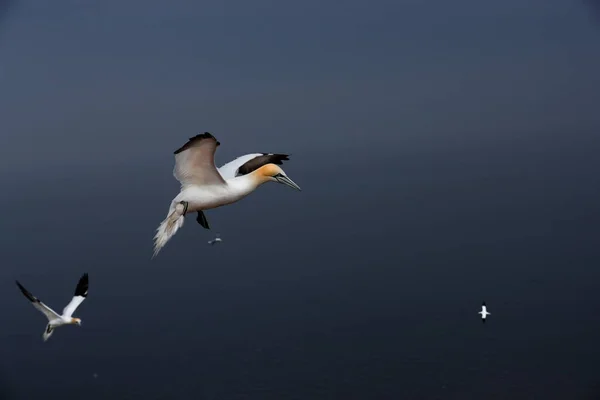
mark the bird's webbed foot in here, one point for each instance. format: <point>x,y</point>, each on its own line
<point>201,219</point>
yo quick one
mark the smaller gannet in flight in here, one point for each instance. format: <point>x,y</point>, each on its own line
<point>66,318</point>
<point>217,239</point>
<point>204,186</point>
<point>484,313</point>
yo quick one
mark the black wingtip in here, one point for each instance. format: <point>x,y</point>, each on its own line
<point>192,140</point>
<point>257,162</point>
<point>26,292</point>
<point>82,286</point>
<point>205,135</point>
<point>279,158</point>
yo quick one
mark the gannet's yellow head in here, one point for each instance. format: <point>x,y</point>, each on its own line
<point>76,321</point>
<point>272,172</point>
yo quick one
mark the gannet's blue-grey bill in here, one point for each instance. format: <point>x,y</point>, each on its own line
<point>287,181</point>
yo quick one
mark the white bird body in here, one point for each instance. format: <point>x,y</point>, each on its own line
<point>204,186</point>
<point>212,196</point>
<point>54,319</point>
<point>216,240</point>
<point>60,321</point>
<point>484,312</point>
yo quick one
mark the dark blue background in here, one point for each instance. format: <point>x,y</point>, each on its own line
<point>447,151</point>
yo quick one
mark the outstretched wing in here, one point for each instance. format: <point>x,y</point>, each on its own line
<point>81,292</point>
<point>230,170</point>
<point>195,161</point>
<point>44,309</point>
<point>250,162</point>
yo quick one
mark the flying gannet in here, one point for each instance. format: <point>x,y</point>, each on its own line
<point>204,186</point>
<point>66,318</point>
<point>484,313</point>
<point>216,240</point>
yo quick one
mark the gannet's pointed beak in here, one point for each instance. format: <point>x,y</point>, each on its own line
<point>287,181</point>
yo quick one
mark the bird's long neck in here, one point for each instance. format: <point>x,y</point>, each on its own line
<point>246,184</point>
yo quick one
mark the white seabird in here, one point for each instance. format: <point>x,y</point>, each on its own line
<point>204,186</point>
<point>217,239</point>
<point>484,313</point>
<point>55,320</point>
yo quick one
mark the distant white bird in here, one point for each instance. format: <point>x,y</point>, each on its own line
<point>217,239</point>
<point>66,318</point>
<point>484,313</point>
<point>204,187</point>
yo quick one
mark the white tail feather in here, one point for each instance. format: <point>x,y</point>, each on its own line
<point>166,230</point>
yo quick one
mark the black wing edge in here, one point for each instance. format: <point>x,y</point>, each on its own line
<point>193,140</point>
<point>27,294</point>
<point>82,286</point>
<point>276,158</point>
<point>257,162</point>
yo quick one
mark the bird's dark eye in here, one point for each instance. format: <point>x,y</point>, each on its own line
<point>277,176</point>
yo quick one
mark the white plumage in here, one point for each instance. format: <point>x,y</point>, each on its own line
<point>229,170</point>
<point>204,186</point>
<point>484,313</point>
<point>216,240</point>
<point>54,319</point>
